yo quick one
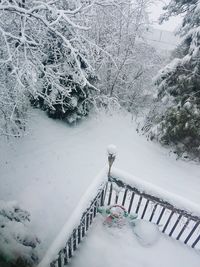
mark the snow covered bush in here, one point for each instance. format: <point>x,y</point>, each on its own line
<point>176,123</point>
<point>17,243</point>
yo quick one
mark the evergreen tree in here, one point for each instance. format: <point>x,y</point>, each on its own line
<point>61,91</point>
<point>175,120</point>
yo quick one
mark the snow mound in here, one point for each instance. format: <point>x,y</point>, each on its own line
<point>146,232</point>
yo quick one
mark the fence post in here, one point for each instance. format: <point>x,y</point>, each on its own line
<point>112,152</point>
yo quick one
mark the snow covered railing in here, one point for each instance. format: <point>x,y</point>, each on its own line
<point>175,216</point>
<point>63,247</point>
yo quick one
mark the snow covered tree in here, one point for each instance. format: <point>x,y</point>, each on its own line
<point>123,59</point>
<point>43,58</point>
<point>61,92</point>
<point>17,243</point>
<point>177,120</point>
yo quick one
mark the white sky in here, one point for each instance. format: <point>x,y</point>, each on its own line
<point>156,10</point>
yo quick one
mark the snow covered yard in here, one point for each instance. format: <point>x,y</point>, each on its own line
<point>116,247</point>
<point>48,171</point>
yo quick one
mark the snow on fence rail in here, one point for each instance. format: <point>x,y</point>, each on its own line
<point>76,227</point>
<point>176,216</point>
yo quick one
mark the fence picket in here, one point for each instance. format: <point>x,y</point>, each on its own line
<point>110,194</point>
<point>153,212</point>
<point>66,257</point>
<point>145,208</point>
<point>124,198</point>
<point>60,260</point>
<point>175,225</point>
<point>196,241</point>
<point>138,205</point>
<point>183,229</point>
<point>131,202</point>
<point>161,214</point>
<point>168,221</point>
<point>192,232</point>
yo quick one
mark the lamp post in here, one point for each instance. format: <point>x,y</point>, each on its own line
<point>112,152</point>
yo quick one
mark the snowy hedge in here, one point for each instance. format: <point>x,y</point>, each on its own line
<point>17,243</point>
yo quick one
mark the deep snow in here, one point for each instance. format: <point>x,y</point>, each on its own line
<point>115,247</point>
<point>48,170</point>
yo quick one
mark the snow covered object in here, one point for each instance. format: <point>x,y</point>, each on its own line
<point>146,232</point>
<point>17,243</point>
<point>112,152</point>
<point>175,118</point>
<point>116,216</point>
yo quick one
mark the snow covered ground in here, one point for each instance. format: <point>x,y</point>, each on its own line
<point>48,171</point>
<point>116,247</point>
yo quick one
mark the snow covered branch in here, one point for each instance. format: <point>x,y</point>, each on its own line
<point>40,54</point>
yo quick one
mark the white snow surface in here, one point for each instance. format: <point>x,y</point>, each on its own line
<point>116,247</point>
<point>48,171</point>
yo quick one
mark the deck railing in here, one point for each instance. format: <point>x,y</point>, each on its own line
<point>80,231</point>
<point>173,221</point>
